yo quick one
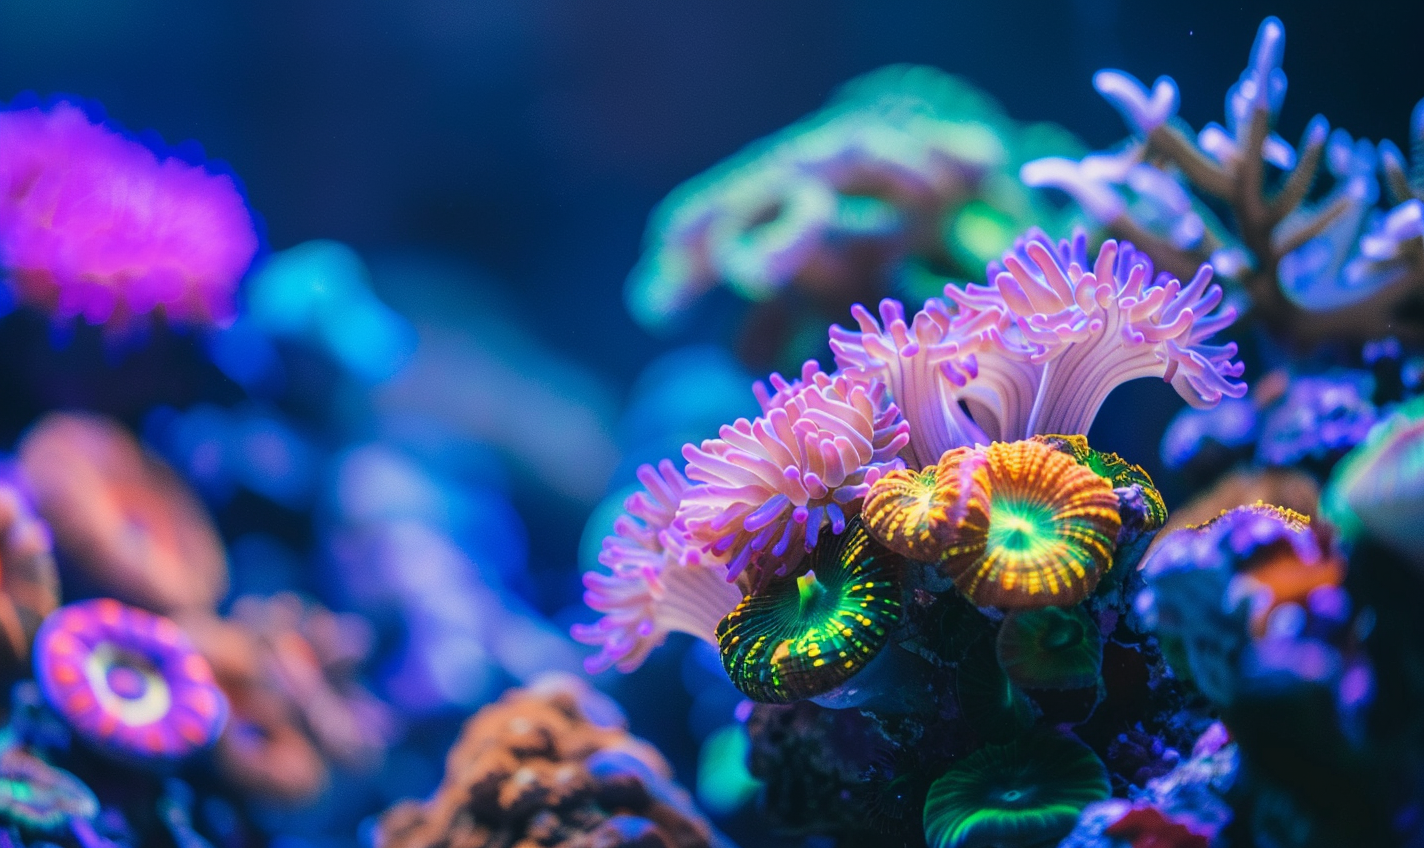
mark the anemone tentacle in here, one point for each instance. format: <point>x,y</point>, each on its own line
<point>656,583</point>
<point>1078,330</point>
<point>766,488</point>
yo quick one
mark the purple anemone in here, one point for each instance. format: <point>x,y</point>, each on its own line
<point>925,364</point>
<point>767,487</point>
<point>128,681</point>
<point>1039,349</point>
<point>1075,331</point>
<point>657,584</point>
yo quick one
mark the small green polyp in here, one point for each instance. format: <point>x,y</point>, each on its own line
<point>1050,648</point>
<point>810,591</point>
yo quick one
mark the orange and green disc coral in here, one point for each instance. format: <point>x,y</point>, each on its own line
<point>1031,527</point>
<point>908,512</point>
<point>801,638</point>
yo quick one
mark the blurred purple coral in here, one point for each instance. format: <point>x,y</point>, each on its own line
<point>766,488</point>
<point>1193,432</point>
<point>1320,418</point>
<point>658,583</point>
<point>96,225</point>
<point>1209,587</point>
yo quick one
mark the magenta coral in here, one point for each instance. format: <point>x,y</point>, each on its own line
<point>768,487</point>
<point>657,584</point>
<point>94,224</point>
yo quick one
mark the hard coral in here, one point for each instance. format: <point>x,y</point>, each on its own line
<point>546,766</point>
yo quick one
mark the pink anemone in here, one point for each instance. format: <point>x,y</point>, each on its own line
<point>656,584</point>
<point>767,487</point>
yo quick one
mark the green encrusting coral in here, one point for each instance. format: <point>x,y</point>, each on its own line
<point>1050,648</point>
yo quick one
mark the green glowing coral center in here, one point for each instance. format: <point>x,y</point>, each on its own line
<point>1050,648</point>
<point>1025,529</point>
<point>801,638</point>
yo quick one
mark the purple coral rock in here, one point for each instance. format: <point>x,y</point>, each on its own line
<point>1320,417</point>
<point>128,681</point>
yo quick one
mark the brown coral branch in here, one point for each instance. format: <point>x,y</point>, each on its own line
<point>1269,232</point>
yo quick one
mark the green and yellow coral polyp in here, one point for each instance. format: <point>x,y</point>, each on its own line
<point>803,638</point>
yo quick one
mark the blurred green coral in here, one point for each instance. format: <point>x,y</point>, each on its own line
<point>906,173</point>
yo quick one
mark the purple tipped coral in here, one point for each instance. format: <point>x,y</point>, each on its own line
<point>93,224</point>
<point>128,681</point>
<point>658,584</point>
<point>925,364</point>
<point>768,486</point>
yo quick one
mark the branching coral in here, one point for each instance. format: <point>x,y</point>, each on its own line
<point>1311,270</point>
<point>658,583</point>
<point>767,487</point>
<point>93,224</point>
